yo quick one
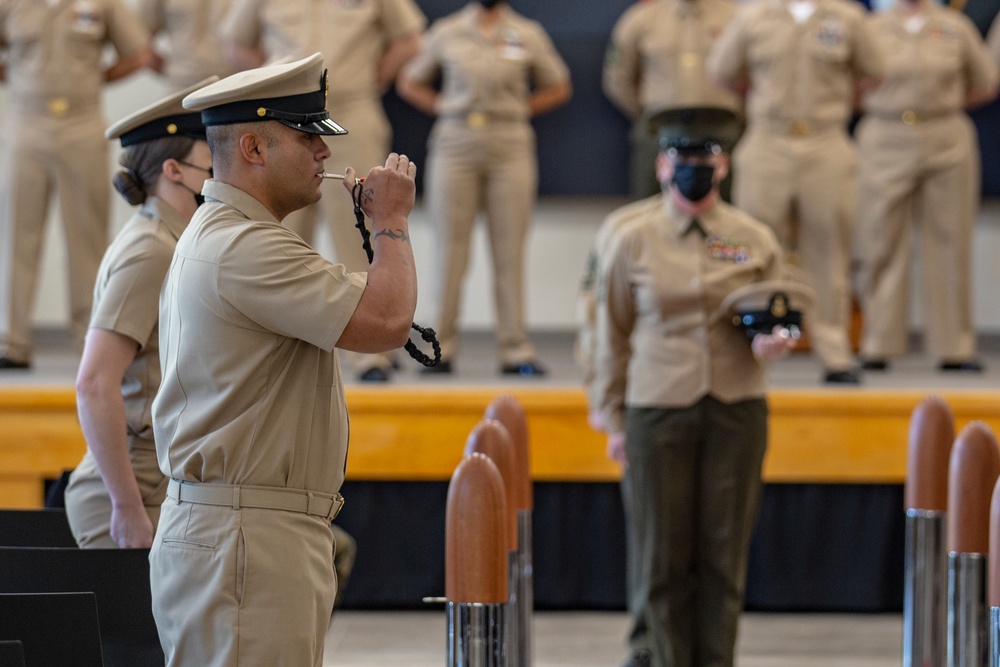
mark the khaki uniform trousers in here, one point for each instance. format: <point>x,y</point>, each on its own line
<point>805,189</point>
<point>42,154</point>
<point>88,504</point>
<point>691,494</point>
<point>918,180</point>
<point>366,145</point>
<point>493,167</point>
<point>241,587</point>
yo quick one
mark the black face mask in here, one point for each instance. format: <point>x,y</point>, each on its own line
<point>490,4</point>
<point>694,181</point>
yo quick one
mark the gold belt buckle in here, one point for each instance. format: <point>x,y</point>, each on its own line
<point>800,128</point>
<point>910,117</point>
<point>58,106</point>
<point>477,120</point>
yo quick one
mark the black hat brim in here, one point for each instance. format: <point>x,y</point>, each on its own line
<point>325,127</point>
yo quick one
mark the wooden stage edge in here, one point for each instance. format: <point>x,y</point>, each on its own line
<point>418,434</point>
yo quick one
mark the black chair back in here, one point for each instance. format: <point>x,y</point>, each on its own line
<point>11,653</point>
<point>35,528</point>
<point>118,577</point>
<point>52,628</point>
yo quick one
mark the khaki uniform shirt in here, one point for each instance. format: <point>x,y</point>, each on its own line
<point>250,314</point>
<point>54,52</point>
<point>656,58</point>
<point>797,72</point>
<point>493,76</point>
<point>352,35</point>
<point>931,71</point>
<point>196,52</point>
<point>662,341</point>
<point>993,39</point>
<point>126,301</point>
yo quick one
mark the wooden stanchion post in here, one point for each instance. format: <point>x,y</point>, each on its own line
<point>972,476</point>
<point>925,605</point>
<point>476,548</point>
<point>507,410</point>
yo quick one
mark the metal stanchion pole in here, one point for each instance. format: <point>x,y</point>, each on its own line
<point>993,579</point>
<point>972,472</point>
<point>932,433</point>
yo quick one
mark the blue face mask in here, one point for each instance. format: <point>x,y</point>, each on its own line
<point>694,181</point>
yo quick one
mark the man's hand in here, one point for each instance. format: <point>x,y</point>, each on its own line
<point>774,345</point>
<point>387,192</point>
<point>616,448</point>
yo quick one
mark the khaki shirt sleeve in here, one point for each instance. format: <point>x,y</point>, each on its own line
<point>241,24</point>
<point>125,32</point>
<point>150,13</point>
<point>425,67</point>
<point>993,40</point>
<point>128,302</point>
<point>401,18</point>
<point>276,281</point>
<point>615,320</point>
<point>867,60</point>
<point>980,65</point>
<point>729,61</point>
<point>622,65</point>
<point>548,69</point>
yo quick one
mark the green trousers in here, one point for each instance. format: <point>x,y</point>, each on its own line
<point>691,492</point>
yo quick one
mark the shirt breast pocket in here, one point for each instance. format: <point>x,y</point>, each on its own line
<point>24,28</point>
<point>87,21</point>
<point>829,43</point>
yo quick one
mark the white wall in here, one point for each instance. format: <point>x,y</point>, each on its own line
<point>557,248</point>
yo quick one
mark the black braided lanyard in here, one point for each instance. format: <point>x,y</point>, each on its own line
<point>426,333</point>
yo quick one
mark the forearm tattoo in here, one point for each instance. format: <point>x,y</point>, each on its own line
<point>394,234</point>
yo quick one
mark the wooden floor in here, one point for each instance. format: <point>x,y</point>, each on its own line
<point>596,639</point>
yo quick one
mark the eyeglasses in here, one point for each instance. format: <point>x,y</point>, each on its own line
<point>208,171</point>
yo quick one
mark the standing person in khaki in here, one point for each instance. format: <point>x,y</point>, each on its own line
<point>250,419</point>
<point>796,166</point>
<point>190,26</point>
<point>681,391</point>
<point>54,140</point>
<point>365,43</point>
<point>114,495</point>
<point>656,61</point>
<point>498,70</point>
<point>920,174</point>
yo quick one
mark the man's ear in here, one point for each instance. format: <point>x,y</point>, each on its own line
<point>253,147</point>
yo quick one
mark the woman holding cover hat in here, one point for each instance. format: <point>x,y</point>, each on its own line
<point>114,495</point>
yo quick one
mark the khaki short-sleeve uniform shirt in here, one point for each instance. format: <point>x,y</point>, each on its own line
<point>661,338</point>
<point>54,52</point>
<point>196,51</point>
<point>656,58</point>
<point>251,391</point>
<point>929,72</point>
<point>488,75</point>
<point>797,71</point>
<point>352,35</point>
<point>126,301</point>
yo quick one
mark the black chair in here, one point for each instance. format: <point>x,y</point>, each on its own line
<point>11,654</point>
<point>35,528</point>
<point>118,577</point>
<point>52,628</point>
